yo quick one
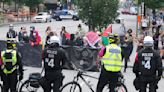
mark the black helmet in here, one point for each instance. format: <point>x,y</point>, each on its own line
<point>11,44</point>
<point>32,28</point>
<point>113,38</point>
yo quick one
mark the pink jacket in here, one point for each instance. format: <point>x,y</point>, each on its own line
<point>38,38</point>
<point>0,60</point>
<point>101,53</point>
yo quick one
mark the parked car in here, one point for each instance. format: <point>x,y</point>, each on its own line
<point>119,20</point>
<point>65,14</point>
<point>42,17</point>
<point>133,10</point>
<point>125,11</point>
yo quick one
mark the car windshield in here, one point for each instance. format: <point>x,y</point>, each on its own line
<point>40,14</point>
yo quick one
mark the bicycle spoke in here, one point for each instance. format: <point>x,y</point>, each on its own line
<point>73,88</point>
<point>26,88</point>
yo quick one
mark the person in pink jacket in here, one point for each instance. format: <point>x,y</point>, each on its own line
<point>35,38</point>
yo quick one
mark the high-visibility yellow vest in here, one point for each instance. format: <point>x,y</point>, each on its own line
<point>13,60</point>
<point>112,60</point>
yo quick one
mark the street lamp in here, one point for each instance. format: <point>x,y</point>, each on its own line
<point>90,14</point>
<point>3,10</point>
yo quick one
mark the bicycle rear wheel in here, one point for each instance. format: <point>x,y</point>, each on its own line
<point>1,90</point>
<point>27,87</point>
<point>71,87</point>
<point>120,88</point>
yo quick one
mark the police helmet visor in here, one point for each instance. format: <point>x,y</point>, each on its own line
<point>148,43</point>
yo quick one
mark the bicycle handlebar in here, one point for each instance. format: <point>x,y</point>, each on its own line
<point>77,69</point>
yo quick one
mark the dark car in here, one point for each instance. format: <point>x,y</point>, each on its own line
<point>65,14</point>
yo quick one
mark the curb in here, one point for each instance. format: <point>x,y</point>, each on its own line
<point>15,23</point>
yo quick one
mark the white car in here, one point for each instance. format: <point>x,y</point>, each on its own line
<point>42,17</point>
<point>119,20</point>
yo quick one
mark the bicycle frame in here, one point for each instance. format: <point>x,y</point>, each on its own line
<point>80,75</point>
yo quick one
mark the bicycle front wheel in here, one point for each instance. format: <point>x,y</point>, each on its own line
<point>120,88</point>
<point>71,87</point>
<point>28,87</point>
<point>1,90</point>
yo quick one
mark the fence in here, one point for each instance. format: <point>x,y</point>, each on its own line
<point>82,57</point>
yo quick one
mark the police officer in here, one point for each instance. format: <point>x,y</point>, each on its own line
<point>11,63</point>
<point>11,33</point>
<point>148,66</point>
<point>54,58</point>
<point>111,64</point>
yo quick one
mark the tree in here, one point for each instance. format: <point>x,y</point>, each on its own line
<point>99,13</point>
<point>7,1</point>
<point>33,4</point>
<point>152,4</point>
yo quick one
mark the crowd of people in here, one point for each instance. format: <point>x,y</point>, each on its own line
<point>93,38</point>
<point>22,36</point>
<point>79,38</point>
<point>155,28</point>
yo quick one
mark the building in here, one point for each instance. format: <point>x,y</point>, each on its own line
<point>51,4</point>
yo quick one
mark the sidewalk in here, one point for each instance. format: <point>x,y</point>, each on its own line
<point>6,24</point>
<point>16,20</point>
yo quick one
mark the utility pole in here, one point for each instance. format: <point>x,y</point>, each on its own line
<point>143,8</point>
<point>137,23</point>
<point>90,13</point>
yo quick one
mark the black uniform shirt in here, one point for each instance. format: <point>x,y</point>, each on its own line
<point>148,62</point>
<point>11,34</point>
<point>54,58</point>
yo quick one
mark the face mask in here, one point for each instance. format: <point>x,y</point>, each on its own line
<point>34,34</point>
<point>25,34</point>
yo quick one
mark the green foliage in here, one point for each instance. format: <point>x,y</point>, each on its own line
<point>33,3</point>
<point>153,4</point>
<point>100,12</point>
<point>7,1</point>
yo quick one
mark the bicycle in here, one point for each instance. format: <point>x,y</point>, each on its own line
<point>74,86</point>
<point>32,84</point>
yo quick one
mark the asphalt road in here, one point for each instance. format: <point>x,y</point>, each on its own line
<point>71,26</point>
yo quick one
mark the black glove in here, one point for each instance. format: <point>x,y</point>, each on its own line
<point>20,77</point>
